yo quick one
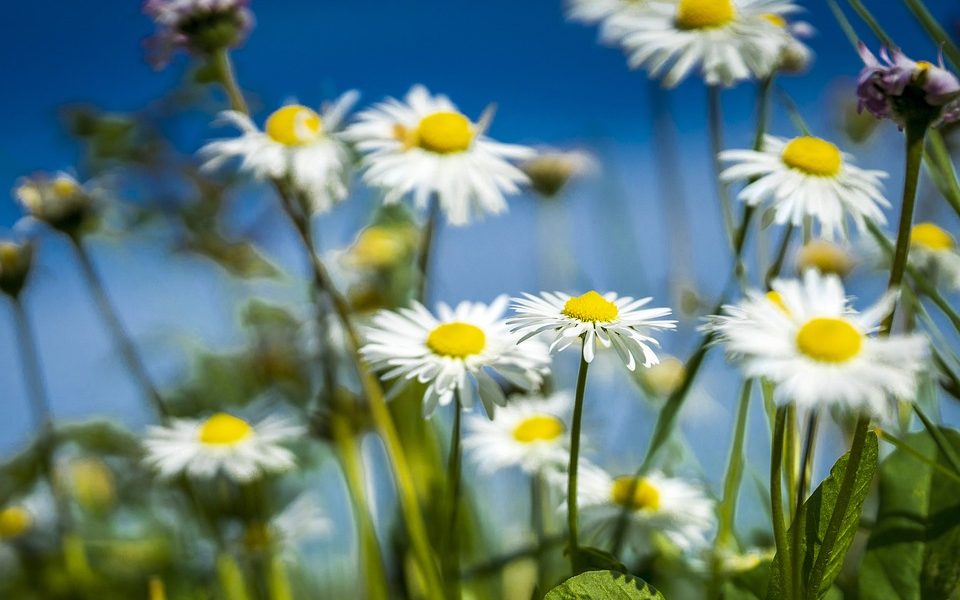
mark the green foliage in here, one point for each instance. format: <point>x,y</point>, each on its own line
<point>815,517</point>
<point>913,549</point>
<point>592,559</point>
<point>604,585</point>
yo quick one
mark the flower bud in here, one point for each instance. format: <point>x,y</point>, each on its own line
<point>826,257</point>
<point>550,172</point>
<point>60,201</point>
<point>16,258</point>
<point>199,26</point>
<point>664,378</point>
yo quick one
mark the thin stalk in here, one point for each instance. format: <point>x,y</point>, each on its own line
<point>538,495</point>
<point>916,132</point>
<point>940,162</point>
<point>224,66</point>
<point>872,23</point>
<point>117,331</point>
<point>715,124</point>
<point>776,502</point>
<point>425,255</point>
<point>774,271</point>
<point>942,444</point>
<point>572,530</point>
<point>845,25</point>
<point>806,472</point>
<point>930,24</point>
<point>451,552</point>
<point>930,462</point>
<point>792,452</point>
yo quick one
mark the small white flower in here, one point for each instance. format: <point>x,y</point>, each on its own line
<point>601,12</point>
<point>297,144</point>
<point>300,521</point>
<point>222,443</point>
<point>656,505</point>
<point>425,147</point>
<point>808,176</point>
<point>529,432</point>
<point>452,352</point>
<point>818,351</point>
<point>730,40</point>
<point>933,252</point>
<point>608,319</point>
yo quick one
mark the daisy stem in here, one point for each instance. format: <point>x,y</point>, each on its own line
<point>120,337</point>
<point>715,122</point>
<point>774,271</point>
<point>451,552</point>
<point>792,456</point>
<point>224,66</point>
<point>916,132</point>
<point>806,474</point>
<point>379,413</point>
<point>785,563</point>
<point>538,495</point>
<point>424,258</point>
<point>574,464</point>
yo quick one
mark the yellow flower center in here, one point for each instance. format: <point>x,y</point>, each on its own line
<point>635,494</point>
<point>591,307</point>
<point>457,340</point>
<point>775,20</point>
<point>829,339</point>
<point>777,299</point>
<point>931,237</point>
<point>443,132</point>
<point>379,247</point>
<point>14,522</point>
<point>824,257</point>
<point>538,428</point>
<point>223,430</point>
<point>704,14</point>
<point>813,156</point>
<point>64,187</point>
<point>294,125</point>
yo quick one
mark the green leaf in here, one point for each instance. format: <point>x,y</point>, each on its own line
<point>604,585</point>
<point>913,549</point>
<point>593,559</point>
<point>815,517</point>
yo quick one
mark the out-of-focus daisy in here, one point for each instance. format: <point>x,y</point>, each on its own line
<point>381,247</point>
<point>806,339</point>
<point>58,200</point>
<point>16,258</point>
<point>222,443</point>
<point>200,26</point>
<point>600,12</point>
<point>297,145</point>
<point>301,521</point>
<point>825,257</point>
<point>656,505</point>
<point>729,40</point>
<point>933,251</point>
<point>808,176</point>
<point>663,378</point>
<point>550,171</point>
<point>452,352</point>
<point>608,319</point>
<point>796,56</point>
<point>529,432</point>
<point>424,147</point>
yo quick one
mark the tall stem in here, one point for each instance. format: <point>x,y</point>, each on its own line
<point>715,124</point>
<point>425,256</point>
<point>223,64</point>
<point>916,132</point>
<point>451,554</point>
<point>574,464</point>
<point>806,472</point>
<point>538,495</point>
<point>117,331</point>
<point>776,502</point>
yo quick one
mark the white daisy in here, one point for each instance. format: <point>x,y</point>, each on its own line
<point>529,432</point>
<point>808,176</point>
<point>933,252</point>
<point>806,339</point>
<point>222,443</point>
<point>300,522</point>
<point>611,320</point>
<point>297,144</point>
<point>656,505</point>
<point>58,200</point>
<point>600,12</point>
<point>452,352</point>
<point>730,40</point>
<point>425,147</point>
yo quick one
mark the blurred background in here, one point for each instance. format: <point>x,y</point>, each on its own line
<point>623,228</point>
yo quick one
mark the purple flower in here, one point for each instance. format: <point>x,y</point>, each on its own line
<point>898,88</point>
<point>198,26</point>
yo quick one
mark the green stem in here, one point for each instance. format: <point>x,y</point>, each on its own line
<point>916,131</point>
<point>120,337</point>
<point>715,124</point>
<point>792,455</point>
<point>942,444</point>
<point>224,66</point>
<point>776,502</point>
<point>930,462</point>
<point>940,163</point>
<point>806,473</point>
<point>574,464</point>
<point>872,23</point>
<point>451,551</point>
<point>538,496</point>
<point>774,271</point>
<point>425,256</point>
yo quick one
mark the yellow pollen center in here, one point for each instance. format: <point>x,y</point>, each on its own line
<point>443,132</point>
<point>931,237</point>
<point>775,20</point>
<point>923,65</point>
<point>635,494</point>
<point>591,307</point>
<point>813,156</point>
<point>14,522</point>
<point>704,14</point>
<point>777,299</point>
<point>538,428</point>
<point>457,340</point>
<point>294,125</point>
<point>64,187</point>
<point>829,339</point>
<point>223,429</point>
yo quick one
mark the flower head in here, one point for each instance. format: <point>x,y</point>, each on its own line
<point>58,200</point>
<point>550,172</point>
<point>425,147</point>
<point>297,144</point>
<point>818,351</point>
<point>608,319</point>
<point>199,26</point>
<point>899,88</point>
<point>16,258</point>
<point>808,177</point>
<point>222,443</point>
<point>825,257</point>
<point>452,352</point>
<point>529,432</point>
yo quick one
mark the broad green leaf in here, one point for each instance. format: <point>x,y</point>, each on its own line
<point>815,517</point>
<point>604,585</point>
<point>913,549</point>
